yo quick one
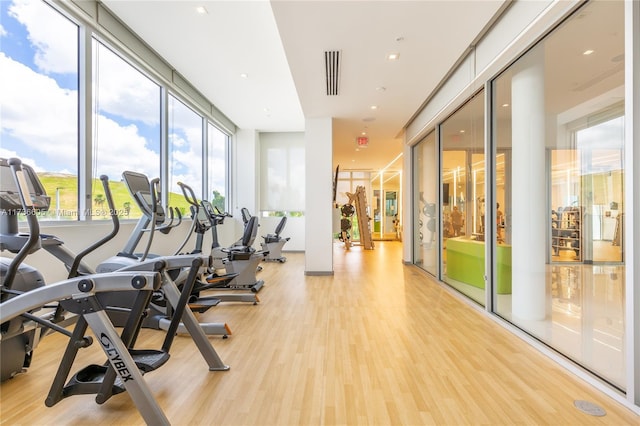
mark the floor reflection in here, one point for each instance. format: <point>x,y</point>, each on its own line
<point>586,321</point>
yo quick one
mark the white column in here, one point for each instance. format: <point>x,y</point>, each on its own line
<point>529,189</point>
<point>318,140</point>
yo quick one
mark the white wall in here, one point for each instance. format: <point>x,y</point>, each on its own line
<point>77,236</point>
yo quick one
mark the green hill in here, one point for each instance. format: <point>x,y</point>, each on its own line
<point>63,189</point>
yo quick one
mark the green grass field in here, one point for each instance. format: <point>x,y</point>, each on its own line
<point>64,188</point>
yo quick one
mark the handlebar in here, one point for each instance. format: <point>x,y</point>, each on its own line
<point>191,196</point>
<point>219,213</point>
<point>32,221</point>
<point>167,227</point>
<point>73,271</point>
<point>153,184</point>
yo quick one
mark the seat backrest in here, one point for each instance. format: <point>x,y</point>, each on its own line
<point>250,231</point>
<point>281,225</point>
<point>245,215</point>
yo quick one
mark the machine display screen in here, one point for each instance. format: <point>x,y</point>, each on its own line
<point>9,193</point>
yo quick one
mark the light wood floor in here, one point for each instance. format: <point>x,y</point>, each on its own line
<point>378,343</point>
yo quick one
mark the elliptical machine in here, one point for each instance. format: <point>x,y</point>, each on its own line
<point>81,296</point>
<point>17,277</point>
<point>146,194</point>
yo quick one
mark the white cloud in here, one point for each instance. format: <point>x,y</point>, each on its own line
<point>176,141</point>
<point>43,116</point>
<point>3,32</point>
<point>123,91</point>
<point>186,167</point>
<point>50,33</point>
<point>122,148</point>
<point>6,153</point>
<point>38,112</point>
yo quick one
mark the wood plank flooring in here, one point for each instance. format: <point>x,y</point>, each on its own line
<point>377,343</point>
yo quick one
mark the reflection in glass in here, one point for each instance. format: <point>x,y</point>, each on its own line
<point>463,199</point>
<point>425,215</point>
<point>562,186</point>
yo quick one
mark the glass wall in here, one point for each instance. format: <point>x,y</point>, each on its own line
<point>559,137</point>
<point>185,152</point>
<point>463,199</point>
<point>425,204</point>
<point>217,154</point>
<point>39,98</point>
<point>126,128</point>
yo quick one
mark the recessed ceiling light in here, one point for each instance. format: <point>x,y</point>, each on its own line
<point>363,133</point>
<point>244,75</point>
<point>374,106</point>
<point>505,105</point>
<point>265,109</point>
<point>201,10</point>
<point>381,89</point>
<point>393,56</point>
<point>462,131</point>
<point>587,52</point>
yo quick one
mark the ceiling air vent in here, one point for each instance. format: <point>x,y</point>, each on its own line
<point>332,70</point>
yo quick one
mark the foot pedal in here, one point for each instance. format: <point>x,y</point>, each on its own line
<point>215,280</point>
<point>148,359</point>
<point>89,380</point>
<point>203,305</point>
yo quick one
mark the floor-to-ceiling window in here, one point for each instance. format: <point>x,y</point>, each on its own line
<point>48,105</point>
<point>126,128</point>
<point>425,204</point>
<point>559,135</point>
<point>39,98</point>
<point>185,150</point>
<point>217,153</point>
<point>463,199</point>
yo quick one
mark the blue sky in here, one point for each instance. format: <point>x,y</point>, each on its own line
<point>39,86</point>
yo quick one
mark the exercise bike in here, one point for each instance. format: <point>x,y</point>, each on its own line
<point>240,259</point>
<point>204,219</point>
<point>273,243</point>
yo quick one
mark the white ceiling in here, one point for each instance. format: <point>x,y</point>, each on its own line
<point>280,45</point>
